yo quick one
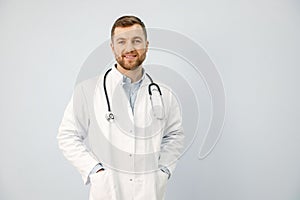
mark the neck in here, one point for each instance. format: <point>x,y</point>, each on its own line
<point>134,75</point>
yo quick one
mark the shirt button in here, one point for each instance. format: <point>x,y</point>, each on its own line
<point>130,179</point>
<point>130,155</point>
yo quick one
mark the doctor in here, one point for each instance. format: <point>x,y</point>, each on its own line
<point>122,130</point>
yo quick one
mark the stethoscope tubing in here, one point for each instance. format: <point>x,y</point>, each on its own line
<point>110,115</point>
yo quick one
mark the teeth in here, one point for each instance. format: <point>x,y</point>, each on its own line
<point>130,56</point>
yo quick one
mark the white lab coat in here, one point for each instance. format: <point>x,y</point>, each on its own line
<point>131,149</point>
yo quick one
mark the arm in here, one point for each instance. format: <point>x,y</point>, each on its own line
<point>173,138</point>
<point>72,132</point>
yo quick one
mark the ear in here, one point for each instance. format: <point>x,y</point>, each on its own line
<point>112,46</point>
<point>147,44</point>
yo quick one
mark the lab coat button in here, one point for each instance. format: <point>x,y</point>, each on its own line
<point>130,179</point>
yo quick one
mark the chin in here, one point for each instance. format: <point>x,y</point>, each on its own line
<point>132,66</point>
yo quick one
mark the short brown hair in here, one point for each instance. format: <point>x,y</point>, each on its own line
<point>126,21</point>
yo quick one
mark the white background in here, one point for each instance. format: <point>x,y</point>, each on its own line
<point>254,44</point>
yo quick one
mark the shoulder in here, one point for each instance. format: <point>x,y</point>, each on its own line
<point>87,87</point>
<point>88,83</point>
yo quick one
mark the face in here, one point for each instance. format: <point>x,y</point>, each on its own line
<point>129,46</point>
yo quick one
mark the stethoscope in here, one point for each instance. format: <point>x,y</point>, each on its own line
<point>110,116</point>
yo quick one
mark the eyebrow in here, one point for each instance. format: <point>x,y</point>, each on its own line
<point>120,39</point>
<point>136,37</point>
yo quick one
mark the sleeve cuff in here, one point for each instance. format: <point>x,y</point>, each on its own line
<point>166,170</point>
<point>96,168</point>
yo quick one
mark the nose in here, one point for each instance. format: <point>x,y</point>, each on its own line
<point>129,47</point>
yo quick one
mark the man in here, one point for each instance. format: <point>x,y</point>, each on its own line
<point>122,131</point>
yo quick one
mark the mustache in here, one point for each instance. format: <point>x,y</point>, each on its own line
<point>129,53</point>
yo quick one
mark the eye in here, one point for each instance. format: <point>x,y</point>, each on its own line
<point>137,41</point>
<point>121,42</point>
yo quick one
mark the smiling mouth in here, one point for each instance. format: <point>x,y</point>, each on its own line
<point>130,56</point>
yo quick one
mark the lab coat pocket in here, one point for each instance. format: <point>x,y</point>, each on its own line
<point>101,186</point>
<point>162,179</point>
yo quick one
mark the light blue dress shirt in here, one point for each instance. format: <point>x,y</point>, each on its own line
<point>131,89</point>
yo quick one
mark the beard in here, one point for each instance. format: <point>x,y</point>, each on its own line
<point>131,64</point>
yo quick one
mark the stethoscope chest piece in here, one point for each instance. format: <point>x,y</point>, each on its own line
<point>110,117</point>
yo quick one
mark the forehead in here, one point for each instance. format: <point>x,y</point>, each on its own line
<point>135,30</point>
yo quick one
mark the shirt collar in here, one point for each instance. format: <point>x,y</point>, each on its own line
<point>126,79</point>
